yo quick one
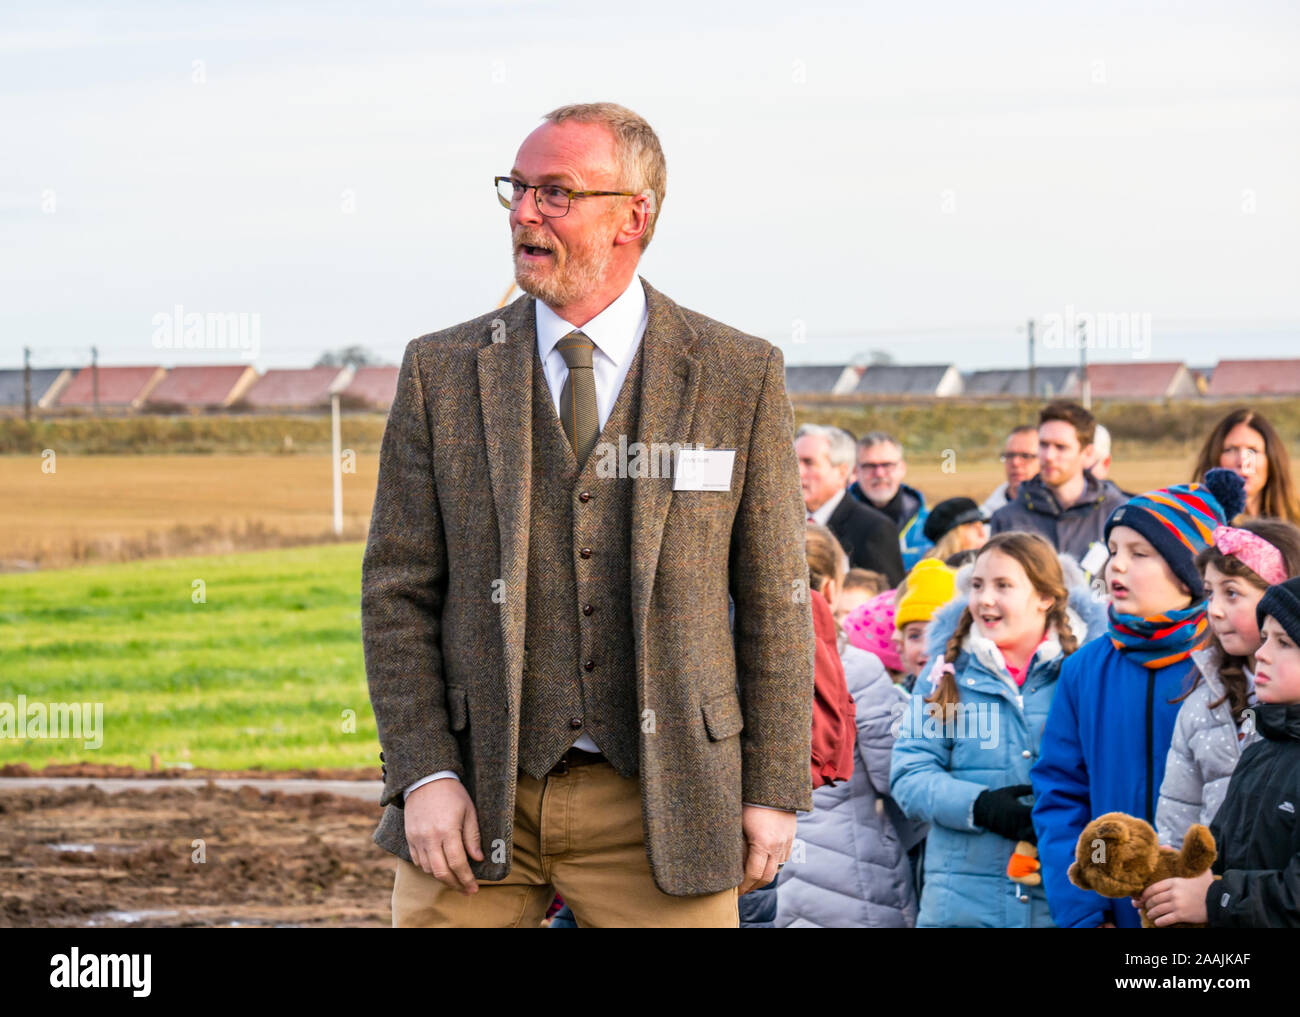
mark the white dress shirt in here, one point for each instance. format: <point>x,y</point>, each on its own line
<point>823,514</point>
<point>616,332</point>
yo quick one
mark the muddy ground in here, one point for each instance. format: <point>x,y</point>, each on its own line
<point>81,857</point>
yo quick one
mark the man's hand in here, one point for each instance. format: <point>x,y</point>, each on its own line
<point>1177,900</point>
<point>441,825</point>
<point>769,835</point>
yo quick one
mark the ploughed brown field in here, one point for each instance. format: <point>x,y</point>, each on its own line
<point>113,508</point>
<point>80,857</point>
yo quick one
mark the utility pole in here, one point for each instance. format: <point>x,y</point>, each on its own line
<point>1033,370</point>
<point>338,466</point>
<point>1085,389</point>
<point>27,384</point>
<point>94,376</point>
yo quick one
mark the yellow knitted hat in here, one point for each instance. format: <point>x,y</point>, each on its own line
<point>930,585</point>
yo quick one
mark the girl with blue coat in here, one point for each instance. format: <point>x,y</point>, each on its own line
<point>971,730</point>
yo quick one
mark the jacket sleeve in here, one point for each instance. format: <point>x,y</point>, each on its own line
<point>999,521</point>
<point>920,780</point>
<point>1256,898</point>
<point>879,710</point>
<point>774,638</point>
<point>1062,808</point>
<point>403,588</point>
<point>884,554</point>
<point>1182,793</point>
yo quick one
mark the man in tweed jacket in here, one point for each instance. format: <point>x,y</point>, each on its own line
<point>545,618</point>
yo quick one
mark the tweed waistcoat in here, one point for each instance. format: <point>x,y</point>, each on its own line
<point>579,658</point>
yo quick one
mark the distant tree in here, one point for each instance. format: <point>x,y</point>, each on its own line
<point>349,356</point>
<point>879,357</point>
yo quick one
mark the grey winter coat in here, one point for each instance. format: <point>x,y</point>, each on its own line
<point>849,865</point>
<point>1072,530</point>
<point>1202,756</point>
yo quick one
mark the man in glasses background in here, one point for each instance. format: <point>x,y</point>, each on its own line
<point>878,483</point>
<point>1020,462</point>
<point>555,682</point>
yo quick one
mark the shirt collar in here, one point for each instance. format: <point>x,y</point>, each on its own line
<point>823,514</point>
<point>615,330</point>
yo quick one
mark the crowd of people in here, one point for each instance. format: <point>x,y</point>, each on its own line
<point>1022,665</point>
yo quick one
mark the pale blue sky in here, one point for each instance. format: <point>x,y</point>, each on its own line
<point>916,178</point>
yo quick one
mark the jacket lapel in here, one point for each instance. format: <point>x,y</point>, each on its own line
<point>670,379</point>
<point>505,381</point>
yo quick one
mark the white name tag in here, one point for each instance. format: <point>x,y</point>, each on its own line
<point>703,469</point>
<point>1095,558</point>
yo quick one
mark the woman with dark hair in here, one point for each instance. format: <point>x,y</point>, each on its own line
<point>1246,443</point>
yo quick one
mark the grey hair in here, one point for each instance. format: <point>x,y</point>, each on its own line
<point>640,157</point>
<point>1101,442</point>
<point>873,438</point>
<point>839,443</point>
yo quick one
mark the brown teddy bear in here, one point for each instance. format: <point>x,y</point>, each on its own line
<point>1118,856</point>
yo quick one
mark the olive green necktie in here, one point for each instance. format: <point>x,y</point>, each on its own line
<point>578,414</point>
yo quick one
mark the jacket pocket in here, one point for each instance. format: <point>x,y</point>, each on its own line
<point>457,708</point>
<point>722,717</point>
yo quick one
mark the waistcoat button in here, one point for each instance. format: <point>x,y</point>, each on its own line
<point>575,723</point>
<point>589,666</point>
<point>585,496</point>
<point>585,553</point>
<point>1026,753</point>
<point>587,609</point>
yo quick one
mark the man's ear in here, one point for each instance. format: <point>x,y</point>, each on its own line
<point>637,219</point>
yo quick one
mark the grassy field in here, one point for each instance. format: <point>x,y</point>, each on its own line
<point>259,675</point>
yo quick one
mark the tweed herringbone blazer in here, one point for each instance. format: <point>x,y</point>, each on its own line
<point>444,581</point>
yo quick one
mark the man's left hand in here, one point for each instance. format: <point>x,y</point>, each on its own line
<point>769,835</point>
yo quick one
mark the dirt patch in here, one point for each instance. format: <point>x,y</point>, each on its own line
<point>82,857</point>
<point>108,770</point>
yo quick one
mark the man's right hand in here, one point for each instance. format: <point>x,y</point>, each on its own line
<point>441,826</point>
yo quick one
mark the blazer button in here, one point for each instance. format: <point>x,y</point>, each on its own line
<point>575,723</point>
<point>589,666</point>
<point>584,497</point>
<point>587,609</point>
<point>1026,753</point>
<point>585,553</point>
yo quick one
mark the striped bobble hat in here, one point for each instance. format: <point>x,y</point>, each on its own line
<point>1179,521</point>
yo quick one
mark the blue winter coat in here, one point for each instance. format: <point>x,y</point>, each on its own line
<point>937,775</point>
<point>1104,750</point>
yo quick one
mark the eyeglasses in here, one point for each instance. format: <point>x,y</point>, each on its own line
<point>878,467</point>
<point>552,201</point>
<point>1023,457</point>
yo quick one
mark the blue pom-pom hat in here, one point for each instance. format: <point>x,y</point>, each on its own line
<point>1179,521</point>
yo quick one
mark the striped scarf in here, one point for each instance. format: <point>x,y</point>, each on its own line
<point>1160,641</point>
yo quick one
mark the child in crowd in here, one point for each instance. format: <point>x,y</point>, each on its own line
<point>972,728</point>
<point>859,586</point>
<point>870,627</point>
<point>929,587</point>
<point>1255,832</point>
<point>1213,726</point>
<point>1112,721</point>
<point>850,866</point>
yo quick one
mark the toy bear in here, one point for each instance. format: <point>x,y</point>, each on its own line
<point>1118,856</point>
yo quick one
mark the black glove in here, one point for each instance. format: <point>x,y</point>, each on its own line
<point>1001,812</point>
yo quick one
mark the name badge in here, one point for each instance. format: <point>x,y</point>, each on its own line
<point>1095,558</point>
<point>703,469</point>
